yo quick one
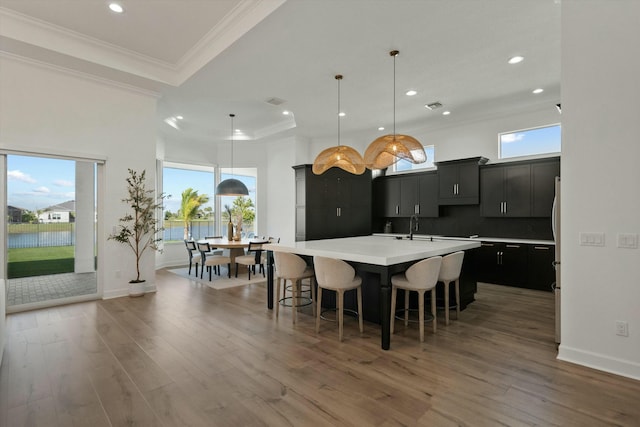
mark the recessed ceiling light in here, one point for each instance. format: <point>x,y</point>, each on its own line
<point>515,59</point>
<point>115,7</point>
<point>381,128</point>
<point>539,90</point>
<point>285,112</point>
<point>341,114</point>
<point>179,117</point>
<point>446,113</point>
<point>411,92</point>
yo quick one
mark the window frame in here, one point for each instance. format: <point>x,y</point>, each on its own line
<point>529,155</point>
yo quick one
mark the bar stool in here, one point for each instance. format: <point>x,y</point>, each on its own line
<point>420,277</point>
<point>338,276</point>
<point>292,267</point>
<point>450,272</point>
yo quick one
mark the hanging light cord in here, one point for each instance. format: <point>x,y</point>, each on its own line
<point>394,53</point>
<point>232,116</point>
<point>338,78</point>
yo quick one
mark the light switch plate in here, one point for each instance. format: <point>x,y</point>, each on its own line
<point>591,239</point>
<point>628,240</point>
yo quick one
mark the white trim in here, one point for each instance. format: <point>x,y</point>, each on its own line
<point>53,154</point>
<point>626,368</point>
<point>81,75</point>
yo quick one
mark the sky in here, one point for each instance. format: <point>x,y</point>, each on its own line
<point>530,142</point>
<point>177,180</point>
<point>36,183</point>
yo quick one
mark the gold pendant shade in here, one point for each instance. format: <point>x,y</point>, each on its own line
<point>388,149</point>
<point>341,156</point>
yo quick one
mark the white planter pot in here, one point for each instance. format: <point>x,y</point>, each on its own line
<point>136,289</point>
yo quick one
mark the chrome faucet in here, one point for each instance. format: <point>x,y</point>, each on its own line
<point>413,227</point>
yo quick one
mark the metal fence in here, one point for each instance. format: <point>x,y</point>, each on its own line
<point>174,230</point>
<point>40,235</point>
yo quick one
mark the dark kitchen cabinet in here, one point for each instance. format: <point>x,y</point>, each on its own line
<point>334,204</point>
<point>502,263</point>
<point>541,272</point>
<point>518,189</point>
<point>406,195</point>
<point>459,181</point>
<point>515,264</point>
<point>543,176</point>
<point>505,191</point>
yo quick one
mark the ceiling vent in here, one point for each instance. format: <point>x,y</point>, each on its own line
<point>433,106</point>
<point>275,101</point>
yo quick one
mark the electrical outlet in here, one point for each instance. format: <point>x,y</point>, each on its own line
<point>622,328</point>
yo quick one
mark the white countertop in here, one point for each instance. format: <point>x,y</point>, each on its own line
<point>481,239</point>
<point>377,249</point>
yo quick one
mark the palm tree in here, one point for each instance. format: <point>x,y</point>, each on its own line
<point>189,207</point>
<point>244,209</point>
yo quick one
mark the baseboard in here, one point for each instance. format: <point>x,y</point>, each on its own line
<point>625,368</point>
<point>124,292</point>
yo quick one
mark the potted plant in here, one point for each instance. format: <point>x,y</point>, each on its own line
<point>139,230</point>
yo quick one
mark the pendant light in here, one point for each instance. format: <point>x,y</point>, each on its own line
<point>341,156</point>
<point>387,150</point>
<point>231,186</point>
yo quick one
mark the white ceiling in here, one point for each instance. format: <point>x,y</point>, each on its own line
<point>209,58</point>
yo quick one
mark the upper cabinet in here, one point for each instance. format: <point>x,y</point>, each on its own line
<point>518,189</point>
<point>406,195</point>
<point>459,182</point>
<point>334,204</point>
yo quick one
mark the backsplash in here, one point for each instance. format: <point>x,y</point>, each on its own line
<point>464,221</point>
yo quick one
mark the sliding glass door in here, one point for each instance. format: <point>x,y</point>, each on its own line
<point>50,231</point>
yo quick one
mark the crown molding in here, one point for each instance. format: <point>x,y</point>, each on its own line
<point>246,15</point>
<point>242,18</point>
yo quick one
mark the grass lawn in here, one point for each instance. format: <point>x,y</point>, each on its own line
<point>24,262</point>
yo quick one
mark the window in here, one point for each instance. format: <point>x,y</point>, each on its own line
<point>241,206</point>
<point>209,218</point>
<point>529,142</point>
<point>404,165</point>
<point>200,183</point>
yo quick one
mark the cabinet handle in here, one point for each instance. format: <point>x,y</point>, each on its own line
<point>416,209</point>
<point>338,212</point>
<point>397,209</point>
<point>542,248</point>
<point>501,254</point>
<point>454,189</point>
<point>512,246</point>
<point>457,188</point>
<point>505,207</point>
<point>498,257</point>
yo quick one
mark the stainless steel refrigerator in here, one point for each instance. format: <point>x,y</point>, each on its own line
<point>555,218</point>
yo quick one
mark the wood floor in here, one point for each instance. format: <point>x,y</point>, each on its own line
<point>189,355</point>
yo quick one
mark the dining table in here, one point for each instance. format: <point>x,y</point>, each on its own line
<point>236,247</point>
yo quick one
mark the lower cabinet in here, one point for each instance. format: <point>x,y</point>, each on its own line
<point>515,264</point>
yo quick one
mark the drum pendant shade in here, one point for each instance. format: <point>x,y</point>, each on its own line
<point>231,186</point>
<point>340,156</point>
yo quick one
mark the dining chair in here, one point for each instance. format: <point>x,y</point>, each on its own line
<point>210,261</point>
<point>252,258</point>
<point>194,258</point>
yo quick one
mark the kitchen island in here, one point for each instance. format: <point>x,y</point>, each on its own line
<point>381,256</point>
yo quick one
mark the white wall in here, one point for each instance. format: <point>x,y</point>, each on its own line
<point>49,110</point>
<point>600,108</point>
